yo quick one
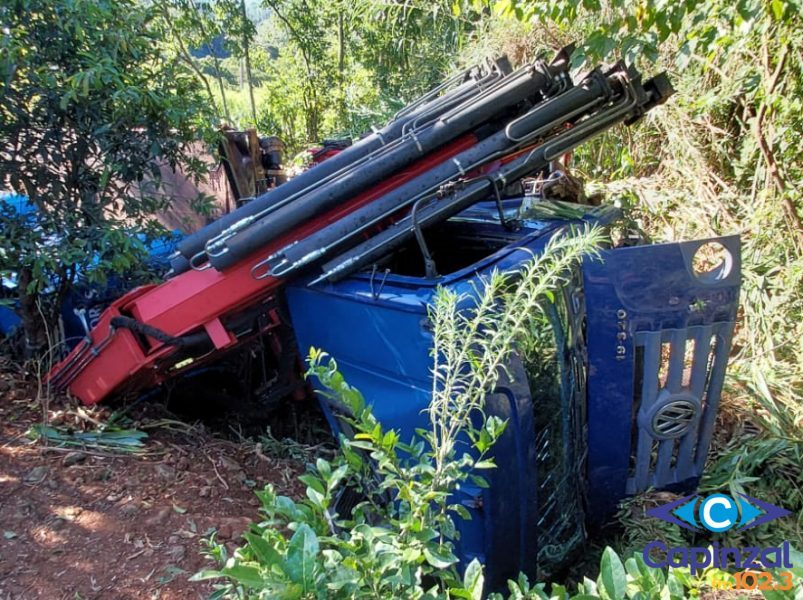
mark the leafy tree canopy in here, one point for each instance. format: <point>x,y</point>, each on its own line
<point>91,112</point>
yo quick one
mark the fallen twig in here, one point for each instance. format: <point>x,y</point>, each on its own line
<point>137,553</point>
<point>214,466</point>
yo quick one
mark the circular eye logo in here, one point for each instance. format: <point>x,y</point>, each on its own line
<point>718,512</point>
<point>674,419</point>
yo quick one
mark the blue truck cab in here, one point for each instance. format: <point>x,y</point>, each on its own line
<point>620,396</point>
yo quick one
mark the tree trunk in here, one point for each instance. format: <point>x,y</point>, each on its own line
<point>247,54</point>
<point>33,328</point>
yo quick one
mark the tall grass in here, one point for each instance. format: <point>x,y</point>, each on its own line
<point>471,347</point>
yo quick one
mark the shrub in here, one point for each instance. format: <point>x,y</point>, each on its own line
<point>92,112</point>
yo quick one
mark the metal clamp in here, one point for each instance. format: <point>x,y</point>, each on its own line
<point>378,134</point>
<point>195,265</point>
<point>417,142</point>
<point>266,264</point>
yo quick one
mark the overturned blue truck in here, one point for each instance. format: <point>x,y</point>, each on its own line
<point>623,399</point>
<point>347,256</point>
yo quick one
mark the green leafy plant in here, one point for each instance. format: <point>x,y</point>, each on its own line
<point>92,114</point>
<point>110,439</point>
<point>633,579</point>
<point>720,157</point>
<point>392,543</point>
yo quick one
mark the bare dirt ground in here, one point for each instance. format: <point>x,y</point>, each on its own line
<point>89,524</point>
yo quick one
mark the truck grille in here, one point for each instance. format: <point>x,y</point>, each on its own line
<point>677,385</point>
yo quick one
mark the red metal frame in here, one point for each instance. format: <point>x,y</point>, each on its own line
<point>195,300</point>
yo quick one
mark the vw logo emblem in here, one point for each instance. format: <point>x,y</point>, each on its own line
<point>673,419</point>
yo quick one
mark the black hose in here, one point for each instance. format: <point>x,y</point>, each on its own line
<point>183,341</point>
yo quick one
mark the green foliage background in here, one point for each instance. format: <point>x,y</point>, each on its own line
<point>316,69</point>
<point>91,110</point>
<point>722,156</point>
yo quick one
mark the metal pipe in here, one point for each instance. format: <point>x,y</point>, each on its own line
<point>194,243</point>
<point>215,245</point>
<point>446,105</point>
<point>537,79</point>
<point>477,190</point>
<point>543,118</point>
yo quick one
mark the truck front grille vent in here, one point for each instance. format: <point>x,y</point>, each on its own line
<point>677,373</point>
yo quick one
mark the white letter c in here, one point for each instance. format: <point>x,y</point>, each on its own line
<point>707,513</point>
